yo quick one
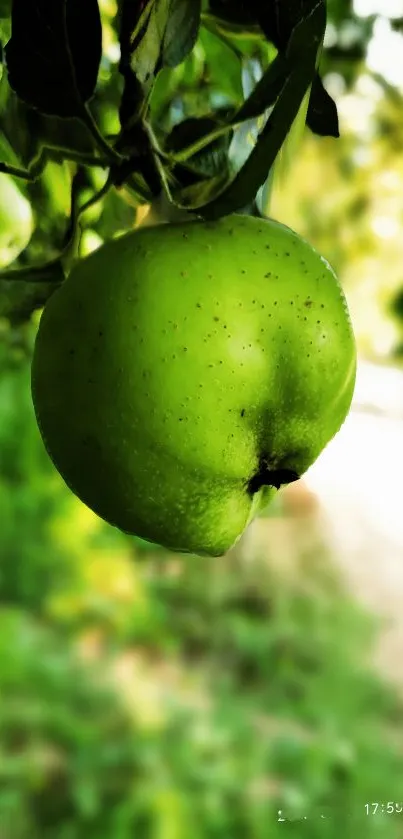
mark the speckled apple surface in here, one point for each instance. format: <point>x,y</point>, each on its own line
<point>182,372</point>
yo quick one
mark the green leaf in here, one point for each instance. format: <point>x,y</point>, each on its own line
<point>148,43</point>
<point>7,153</point>
<point>5,33</point>
<point>181,31</point>
<point>165,34</point>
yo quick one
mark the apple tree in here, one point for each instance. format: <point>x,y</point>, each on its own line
<point>124,107</point>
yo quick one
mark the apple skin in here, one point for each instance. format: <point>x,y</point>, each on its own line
<point>182,372</point>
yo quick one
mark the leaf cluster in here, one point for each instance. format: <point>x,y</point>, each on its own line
<point>60,83</point>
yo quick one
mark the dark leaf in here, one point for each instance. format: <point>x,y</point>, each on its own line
<point>130,14</point>
<point>237,12</point>
<point>278,18</point>
<point>285,83</point>
<point>132,96</point>
<point>199,194</point>
<point>307,32</point>
<point>19,298</point>
<point>185,176</point>
<point>254,172</point>
<point>396,305</point>
<point>301,56</point>
<point>322,116</point>
<point>54,54</point>
<point>162,34</point>
<point>213,159</point>
<point>397,24</point>
<point>273,19</point>
<point>266,91</point>
<point>262,97</point>
<point>5,8</point>
<point>181,31</point>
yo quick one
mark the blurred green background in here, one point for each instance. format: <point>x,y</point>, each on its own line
<point>147,695</point>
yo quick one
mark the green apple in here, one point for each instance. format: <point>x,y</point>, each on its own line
<point>16,221</point>
<point>184,372</point>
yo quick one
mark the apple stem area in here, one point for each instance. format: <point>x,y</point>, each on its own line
<point>270,477</point>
